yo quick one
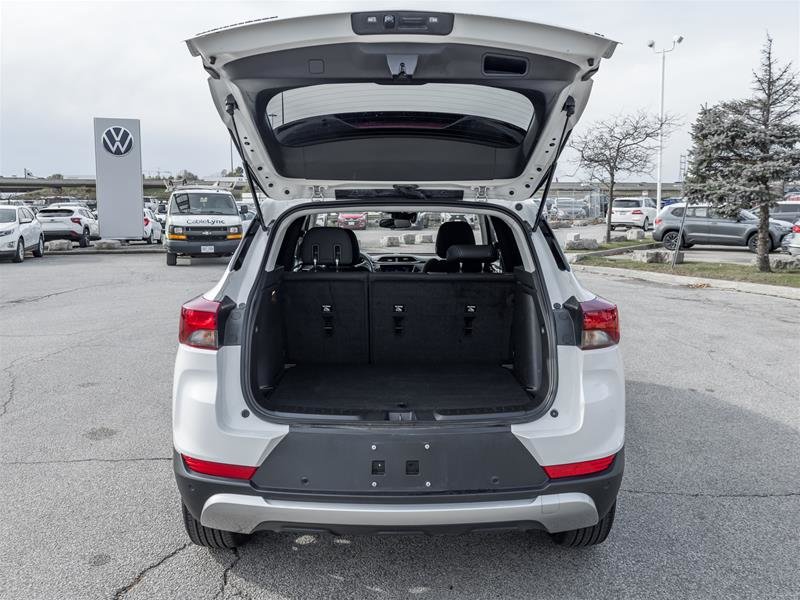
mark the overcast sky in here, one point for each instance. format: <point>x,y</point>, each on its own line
<point>63,63</point>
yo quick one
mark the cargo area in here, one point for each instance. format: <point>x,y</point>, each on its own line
<point>397,346</point>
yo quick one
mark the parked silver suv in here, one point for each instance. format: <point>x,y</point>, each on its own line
<point>706,225</point>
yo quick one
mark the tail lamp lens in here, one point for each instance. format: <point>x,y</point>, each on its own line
<point>600,324</point>
<point>76,220</point>
<point>586,467</point>
<point>198,327</point>
<point>206,467</point>
<point>636,212</point>
<point>795,228</point>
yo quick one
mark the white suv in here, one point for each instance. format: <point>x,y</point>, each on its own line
<point>321,387</point>
<point>69,222</point>
<point>19,231</point>
<point>633,212</point>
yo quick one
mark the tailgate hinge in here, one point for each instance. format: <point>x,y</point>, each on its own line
<point>482,193</point>
<point>317,193</point>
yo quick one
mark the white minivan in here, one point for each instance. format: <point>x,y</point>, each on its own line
<point>201,222</point>
<point>388,379</point>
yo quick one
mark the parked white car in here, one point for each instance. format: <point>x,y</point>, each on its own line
<point>633,212</point>
<point>69,222</point>
<point>152,227</point>
<point>20,231</point>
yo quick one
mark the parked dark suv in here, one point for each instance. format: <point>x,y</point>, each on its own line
<point>706,225</point>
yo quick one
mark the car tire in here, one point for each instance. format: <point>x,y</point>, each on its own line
<point>149,239</point>
<point>172,259</point>
<point>752,244</point>
<point>646,224</point>
<point>670,241</point>
<point>38,252</point>
<point>209,537</point>
<point>83,242</point>
<point>587,536</point>
<point>19,255</point>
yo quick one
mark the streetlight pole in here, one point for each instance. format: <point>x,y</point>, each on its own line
<point>651,44</point>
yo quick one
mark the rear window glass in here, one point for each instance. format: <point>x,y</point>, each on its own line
<point>8,215</point>
<point>314,114</point>
<point>56,212</point>
<point>627,203</point>
<point>192,203</point>
<point>420,238</point>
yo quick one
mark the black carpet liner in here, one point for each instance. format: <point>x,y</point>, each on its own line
<point>395,388</point>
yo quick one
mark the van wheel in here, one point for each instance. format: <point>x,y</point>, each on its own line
<point>38,252</point>
<point>587,536</point>
<point>19,255</point>
<point>208,537</point>
<point>172,259</point>
<point>84,241</point>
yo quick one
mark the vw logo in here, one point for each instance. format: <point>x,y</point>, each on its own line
<point>117,140</point>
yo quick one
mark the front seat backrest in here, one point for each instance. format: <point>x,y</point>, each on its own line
<point>450,234</point>
<point>328,248</point>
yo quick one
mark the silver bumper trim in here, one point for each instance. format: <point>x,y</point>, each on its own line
<point>243,514</point>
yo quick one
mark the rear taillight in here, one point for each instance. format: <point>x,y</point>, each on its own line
<point>198,325</point>
<point>76,220</point>
<point>600,324</point>
<point>795,228</point>
<point>659,220</point>
<point>637,212</point>
<point>146,221</point>
<point>586,467</point>
<point>206,467</point>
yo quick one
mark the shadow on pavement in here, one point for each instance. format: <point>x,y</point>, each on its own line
<point>709,491</point>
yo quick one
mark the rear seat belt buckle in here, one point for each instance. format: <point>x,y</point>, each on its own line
<point>327,319</point>
<point>470,311</point>
<point>398,314</point>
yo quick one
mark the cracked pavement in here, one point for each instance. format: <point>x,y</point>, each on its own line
<point>709,507</point>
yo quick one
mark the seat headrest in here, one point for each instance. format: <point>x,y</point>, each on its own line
<point>329,247</point>
<point>450,233</point>
<point>471,253</point>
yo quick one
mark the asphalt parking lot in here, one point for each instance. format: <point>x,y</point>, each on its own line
<point>710,505</point>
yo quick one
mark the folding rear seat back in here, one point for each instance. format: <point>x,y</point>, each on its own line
<point>441,318</point>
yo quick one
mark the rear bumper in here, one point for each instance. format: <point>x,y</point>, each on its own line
<point>556,505</point>
<point>61,234</point>
<point>194,248</point>
<point>245,514</point>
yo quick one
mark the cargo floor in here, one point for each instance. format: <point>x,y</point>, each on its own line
<point>444,390</point>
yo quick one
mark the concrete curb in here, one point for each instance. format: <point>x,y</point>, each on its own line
<point>93,251</point>
<point>575,257</point>
<point>778,291</point>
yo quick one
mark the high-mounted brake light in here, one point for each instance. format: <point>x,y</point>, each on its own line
<point>206,467</point>
<point>198,325</point>
<point>586,467</point>
<point>600,324</point>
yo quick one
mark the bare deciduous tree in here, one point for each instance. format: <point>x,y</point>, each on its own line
<point>620,145</point>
